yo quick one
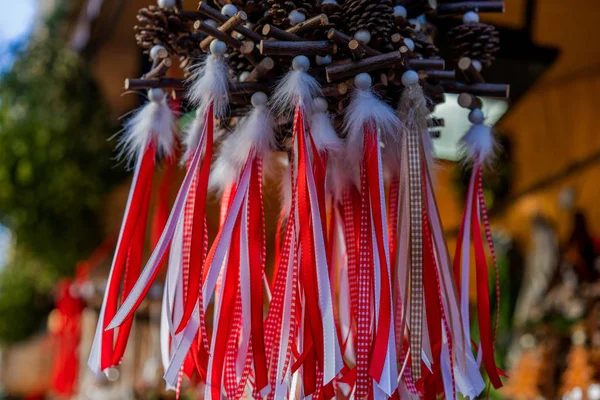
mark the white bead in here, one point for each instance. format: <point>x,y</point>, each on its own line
<point>166,3</point>
<point>410,44</point>
<point>410,78</point>
<point>363,81</point>
<point>229,10</point>
<point>259,99</point>
<point>301,63</point>
<point>477,65</point>
<point>319,105</point>
<point>155,50</point>
<point>323,60</point>
<point>471,17</point>
<point>156,95</point>
<point>243,76</point>
<point>211,22</point>
<point>476,117</point>
<point>363,36</point>
<point>112,374</point>
<point>296,17</point>
<point>400,11</point>
<point>217,48</point>
<point>327,2</point>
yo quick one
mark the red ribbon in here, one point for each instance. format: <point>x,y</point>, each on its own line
<point>198,233</point>
<point>483,295</point>
<point>313,325</point>
<point>371,150</point>
<point>134,223</point>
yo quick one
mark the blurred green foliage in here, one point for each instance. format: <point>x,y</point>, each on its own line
<point>56,166</point>
<point>23,299</point>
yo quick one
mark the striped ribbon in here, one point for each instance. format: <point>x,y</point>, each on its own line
<point>416,253</point>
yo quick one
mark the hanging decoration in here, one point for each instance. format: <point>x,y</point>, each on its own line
<point>362,301</point>
<point>479,146</point>
<point>148,134</point>
<point>368,121</point>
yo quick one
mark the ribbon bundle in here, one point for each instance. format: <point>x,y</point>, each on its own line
<point>479,146</point>
<point>362,303</point>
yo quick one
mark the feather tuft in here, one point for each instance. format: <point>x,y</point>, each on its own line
<point>209,84</point>
<point>365,107</point>
<point>222,172</point>
<point>324,135</point>
<point>341,175</point>
<point>296,88</point>
<point>478,145</point>
<point>154,121</point>
<point>255,132</point>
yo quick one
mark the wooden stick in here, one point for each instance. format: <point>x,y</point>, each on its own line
<point>335,90</point>
<point>235,88</point>
<point>465,6</point>
<point>469,101</point>
<point>355,49</point>
<point>159,70</point>
<point>227,26</point>
<point>249,51</point>
<point>309,24</point>
<point>164,83</point>
<point>479,89</point>
<point>465,65</point>
<point>274,32</point>
<point>342,40</point>
<point>440,75</point>
<point>338,72</point>
<point>424,63</point>
<point>265,66</point>
<point>249,88</point>
<point>305,48</point>
<point>210,12</point>
<point>217,34</point>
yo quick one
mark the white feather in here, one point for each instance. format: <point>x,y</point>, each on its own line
<point>222,172</point>
<point>154,121</point>
<point>413,112</point>
<point>478,144</point>
<point>324,135</point>
<point>210,82</point>
<point>193,132</point>
<point>341,175</point>
<point>253,134</point>
<point>366,108</point>
<point>296,88</point>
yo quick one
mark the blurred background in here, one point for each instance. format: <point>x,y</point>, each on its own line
<point>62,194</point>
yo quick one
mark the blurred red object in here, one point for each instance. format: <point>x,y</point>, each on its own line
<point>65,325</point>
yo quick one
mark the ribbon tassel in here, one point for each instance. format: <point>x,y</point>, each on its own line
<point>368,121</point>
<point>150,132</point>
<point>478,148</point>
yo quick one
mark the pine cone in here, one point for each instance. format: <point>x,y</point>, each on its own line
<point>334,12</point>
<point>166,27</point>
<point>476,41</point>
<point>280,9</point>
<point>375,16</point>
<point>237,63</point>
<point>424,46</point>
